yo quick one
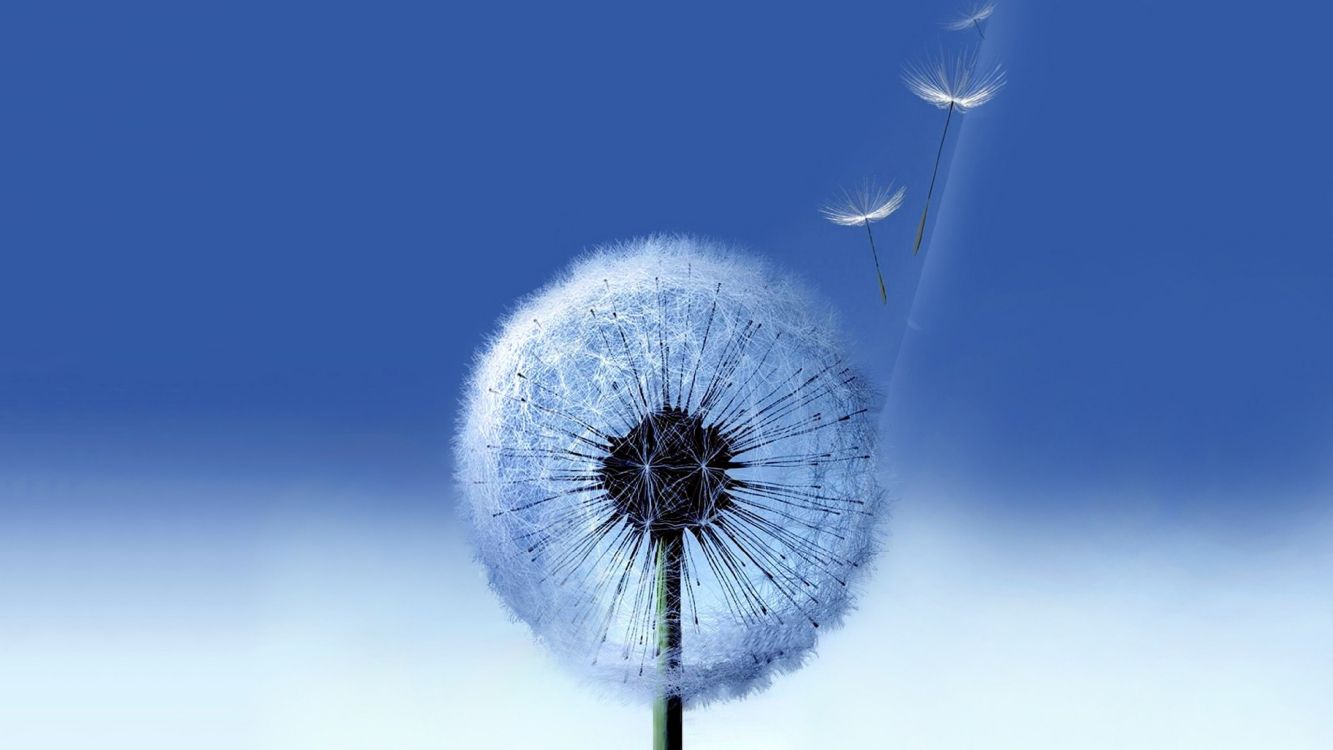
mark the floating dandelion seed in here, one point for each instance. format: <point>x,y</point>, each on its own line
<point>973,17</point>
<point>670,472</point>
<point>953,84</point>
<point>868,206</point>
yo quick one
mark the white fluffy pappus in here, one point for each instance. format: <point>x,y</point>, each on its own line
<point>972,17</point>
<point>868,206</point>
<point>954,82</point>
<point>669,400</point>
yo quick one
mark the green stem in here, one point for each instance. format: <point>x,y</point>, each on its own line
<point>667,708</point>
<point>921,228</point>
<point>883,295</point>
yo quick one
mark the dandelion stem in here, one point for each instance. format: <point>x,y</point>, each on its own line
<point>667,709</point>
<point>978,25</point>
<point>883,295</point>
<point>921,228</point>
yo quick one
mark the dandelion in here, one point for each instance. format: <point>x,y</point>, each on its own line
<point>669,471</point>
<point>955,85</point>
<point>863,209</point>
<point>973,17</point>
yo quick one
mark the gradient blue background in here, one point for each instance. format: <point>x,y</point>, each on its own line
<point>248,250</point>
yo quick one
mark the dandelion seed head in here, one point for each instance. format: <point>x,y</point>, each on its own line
<point>865,206</point>
<point>974,14</point>
<point>955,81</point>
<point>668,388</point>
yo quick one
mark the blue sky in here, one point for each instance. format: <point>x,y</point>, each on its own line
<point>249,251</point>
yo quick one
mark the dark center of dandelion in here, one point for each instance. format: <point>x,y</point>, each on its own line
<point>668,472</point>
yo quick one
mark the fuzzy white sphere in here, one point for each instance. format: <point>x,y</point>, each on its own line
<point>668,389</point>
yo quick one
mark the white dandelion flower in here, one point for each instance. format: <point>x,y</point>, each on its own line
<point>864,208</point>
<point>869,205</point>
<point>669,469</point>
<point>973,16</point>
<point>953,84</point>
